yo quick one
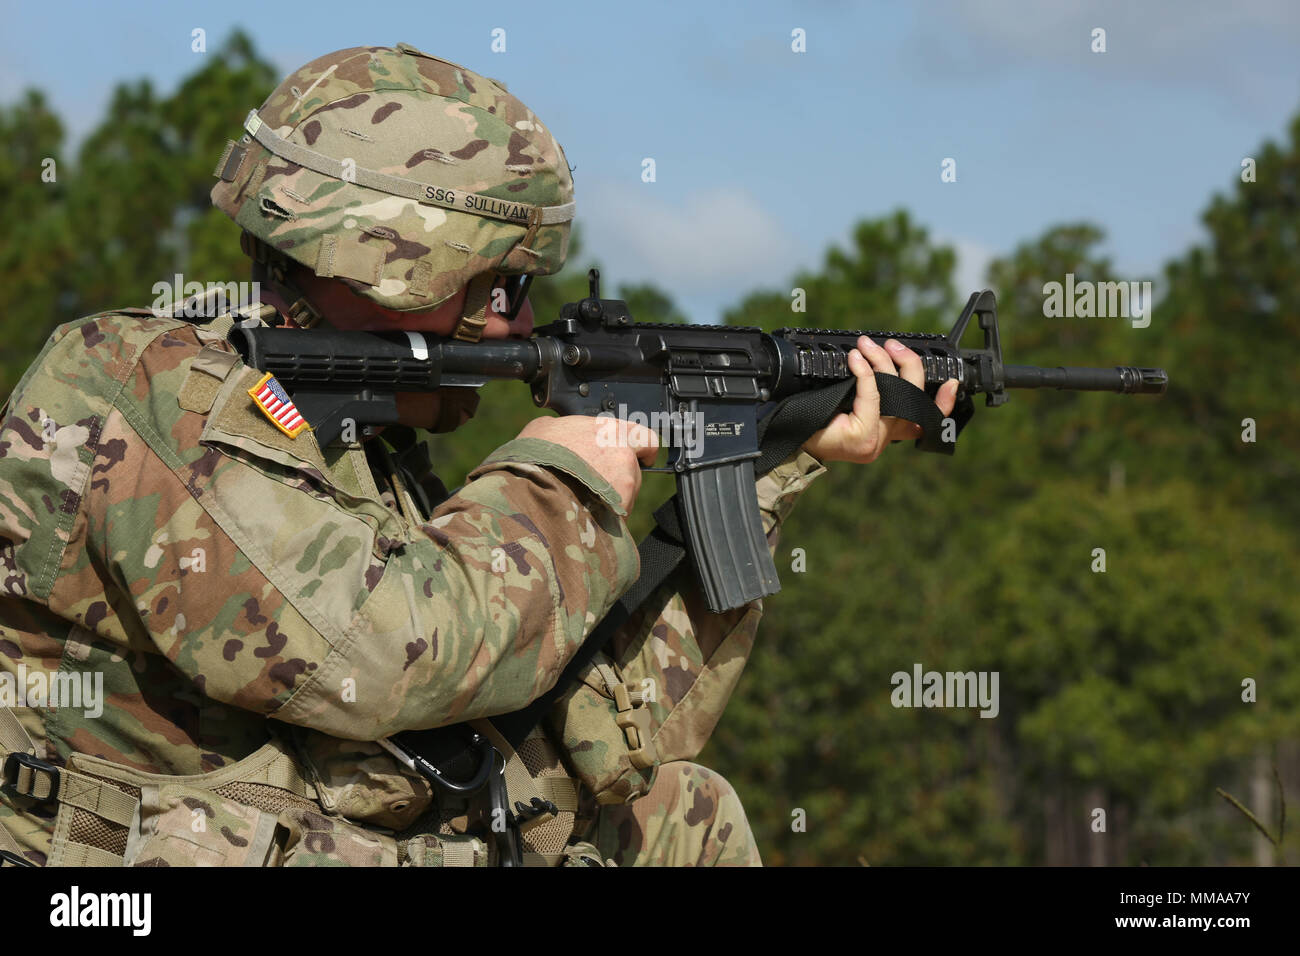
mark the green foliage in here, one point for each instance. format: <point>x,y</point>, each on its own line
<point>890,276</point>
<point>35,243</point>
<point>133,210</point>
<point>649,304</point>
<point>1119,689</point>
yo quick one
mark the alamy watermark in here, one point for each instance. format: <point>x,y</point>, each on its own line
<point>74,908</point>
<point>946,689</point>
<point>193,300</point>
<point>1102,300</point>
<point>675,429</point>
<point>83,691</point>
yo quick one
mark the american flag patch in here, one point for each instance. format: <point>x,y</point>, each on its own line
<point>275,402</point>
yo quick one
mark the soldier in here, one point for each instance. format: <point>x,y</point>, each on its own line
<point>262,613</point>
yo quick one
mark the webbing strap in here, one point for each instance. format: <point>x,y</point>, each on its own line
<point>97,797</point>
<point>457,854</point>
<point>8,844</point>
<point>561,791</point>
<point>80,854</point>
<point>519,782</point>
<point>542,859</point>
<point>283,772</point>
<point>275,273</point>
<point>74,789</point>
<point>473,318</point>
<point>785,429</point>
<point>13,735</point>
<point>781,433</point>
<point>430,194</point>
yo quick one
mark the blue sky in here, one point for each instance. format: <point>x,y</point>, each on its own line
<point>765,157</point>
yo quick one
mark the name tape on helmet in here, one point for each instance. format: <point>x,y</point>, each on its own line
<point>430,194</point>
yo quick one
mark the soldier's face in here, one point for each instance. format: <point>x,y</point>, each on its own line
<point>445,409</point>
<point>345,310</point>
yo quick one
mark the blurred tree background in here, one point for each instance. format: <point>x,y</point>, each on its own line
<point>1119,691</point>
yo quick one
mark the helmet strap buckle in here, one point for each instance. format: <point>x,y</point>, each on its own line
<point>302,313</point>
<point>473,319</point>
<point>275,264</point>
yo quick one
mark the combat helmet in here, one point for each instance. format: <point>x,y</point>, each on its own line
<point>402,174</point>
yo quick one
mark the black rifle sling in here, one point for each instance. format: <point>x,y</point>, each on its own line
<point>792,422</point>
<point>781,433</point>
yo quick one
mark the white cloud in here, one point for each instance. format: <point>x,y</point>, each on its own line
<point>973,260</point>
<point>714,238</point>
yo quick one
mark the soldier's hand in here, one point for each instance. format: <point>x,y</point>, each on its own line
<point>862,434</point>
<point>612,446</point>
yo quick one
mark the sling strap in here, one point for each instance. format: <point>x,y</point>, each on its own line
<point>13,737</point>
<point>11,854</point>
<point>523,786</point>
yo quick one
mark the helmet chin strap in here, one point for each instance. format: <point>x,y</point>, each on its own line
<point>275,269</point>
<point>473,319</point>
<point>478,293</point>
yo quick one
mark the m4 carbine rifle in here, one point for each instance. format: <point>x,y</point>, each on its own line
<point>736,401</point>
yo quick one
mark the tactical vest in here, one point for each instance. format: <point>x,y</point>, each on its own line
<point>273,808</point>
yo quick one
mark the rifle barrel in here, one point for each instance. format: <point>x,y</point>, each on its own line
<point>1121,378</point>
<point>491,358</point>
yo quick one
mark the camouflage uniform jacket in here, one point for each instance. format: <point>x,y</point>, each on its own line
<point>157,529</point>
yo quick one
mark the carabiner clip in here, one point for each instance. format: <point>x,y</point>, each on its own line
<point>414,761</point>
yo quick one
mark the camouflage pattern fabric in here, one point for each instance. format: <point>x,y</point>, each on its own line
<point>690,817</point>
<point>318,840</point>
<point>189,827</point>
<point>157,530</point>
<point>359,780</point>
<point>675,658</point>
<point>410,115</point>
<point>217,573</point>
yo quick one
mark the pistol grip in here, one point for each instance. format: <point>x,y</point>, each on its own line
<point>724,534</point>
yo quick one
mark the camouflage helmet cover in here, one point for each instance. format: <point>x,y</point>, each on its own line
<point>403,174</point>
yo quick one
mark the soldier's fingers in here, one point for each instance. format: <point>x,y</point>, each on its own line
<point>900,429</point>
<point>644,443</point>
<point>946,398</point>
<point>909,363</point>
<point>877,356</point>
<point>866,400</point>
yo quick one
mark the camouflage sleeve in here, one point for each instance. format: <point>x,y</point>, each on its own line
<point>656,692</point>
<point>691,657</point>
<point>505,580</point>
<point>158,508</point>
